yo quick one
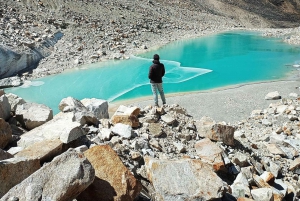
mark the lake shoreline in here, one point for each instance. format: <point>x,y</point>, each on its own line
<point>229,103</point>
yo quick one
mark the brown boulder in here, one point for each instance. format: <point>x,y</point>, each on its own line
<point>113,180</point>
<point>45,150</point>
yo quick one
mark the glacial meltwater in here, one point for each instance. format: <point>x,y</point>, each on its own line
<point>191,65</point>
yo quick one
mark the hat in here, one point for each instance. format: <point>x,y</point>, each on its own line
<point>156,57</point>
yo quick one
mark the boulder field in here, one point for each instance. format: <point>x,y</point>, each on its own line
<point>150,153</point>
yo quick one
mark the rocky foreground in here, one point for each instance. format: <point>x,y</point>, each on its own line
<point>151,153</point>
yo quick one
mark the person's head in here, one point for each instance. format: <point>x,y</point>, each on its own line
<point>156,57</point>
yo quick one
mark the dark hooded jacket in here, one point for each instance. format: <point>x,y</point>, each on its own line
<point>156,72</point>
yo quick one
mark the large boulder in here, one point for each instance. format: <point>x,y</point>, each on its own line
<point>4,107</point>
<point>15,170</point>
<point>62,179</point>
<point>126,115</point>
<point>5,133</point>
<point>207,127</point>
<point>210,153</point>
<point>14,101</point>
<point>45,151</point>
<point>32,115</point>
<point>60,127</point>
<point>184,179</point>
<point>80,112</point>
<point>97,106</point>
<point>113,180</point>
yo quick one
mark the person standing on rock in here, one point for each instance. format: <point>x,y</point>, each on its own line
<point>156,72</point>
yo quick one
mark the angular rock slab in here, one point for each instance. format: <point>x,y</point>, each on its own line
<point>97,106</point>
<point>188,179</point>
<point>45,151</point>
<point>5,133</point>
<point>113,180</point>
<point>61,127</point>
<point>61,180</point>
<point>15,170</point>
<point>80,113</point>
<point>32,115</point>
<point>207,127</point>
<point>210,153</point>
<point>14,101</point>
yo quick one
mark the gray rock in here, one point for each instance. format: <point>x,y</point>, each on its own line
<point>125,131</point>
<point>281,109</point>
<point>97,106</point>
<point>139,144</point>
<point>5,133</point>
<point>240,159</point>
<point>187,180</point>
<point>271,166</point>
<point>70,104</point>
<point>60,127</point>
<point>155,144</point>
<point>4,107</point>
<point>80,113</point>
<point>295,165</point>
<point>168,119</point>
<point>14,101</point>
<point>15,170</point>
<point>62,179</point>
<point>32,115</point>
<point>85,117</point>
<point>262,194</point>
<point>273,96</point>
<point>181,148</point>
<point>240,190</point>
<point>242,179</point>
<point>105,134</point>
<point>266,122</point>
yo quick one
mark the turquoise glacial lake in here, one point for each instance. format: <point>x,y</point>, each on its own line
<point>191,65</point>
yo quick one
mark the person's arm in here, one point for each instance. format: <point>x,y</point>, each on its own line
<point>150,73</point>
<point>163,70</point>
